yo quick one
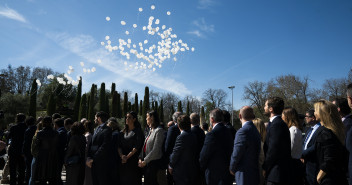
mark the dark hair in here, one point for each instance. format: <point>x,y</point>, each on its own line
<point>30,121</point>
<point>136,123</point>
<point>227,116</point>
<point>113,123</point>
<point>77,128</point>
<point>291,118</point>
<point>59,122</point>
<point>217,115</point>
<point>349,90</point>
<point>205,126</point>
<point>277,104</point>
<point>342,103</point>
<point>68,121</point>
<point>88,126</point>
<point>47,122</point>
<point>156,120</point>
<point>55,116</point>
<point>311,113</point>
<point>102,115</point>
<point>20,117</point>
<point>184,122</point>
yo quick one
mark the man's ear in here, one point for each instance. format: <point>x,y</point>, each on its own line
<point>240,116</point>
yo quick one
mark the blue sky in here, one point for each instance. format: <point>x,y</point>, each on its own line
<point>235,41</point>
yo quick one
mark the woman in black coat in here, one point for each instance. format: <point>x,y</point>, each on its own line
<point>45,152</point>
<point>75,155</point>
<point>332,157</point>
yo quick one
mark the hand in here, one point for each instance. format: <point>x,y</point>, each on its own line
<point>320,176</point>
<point>124,159</point>
<point>141,164</point>
<point>264,173</point>
<point>170,170</point>
<point>231,172</point>
<point>89,163</point>
<point>302,160</point>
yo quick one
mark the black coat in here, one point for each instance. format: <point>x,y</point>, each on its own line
<point>28,136</point>
<point>16,136</point>
<point>183,159</point>
<point>171,136</point>
<point>215,156</point>
<point>331,156</point>
<point>45,146</point>
<point>277,150</point>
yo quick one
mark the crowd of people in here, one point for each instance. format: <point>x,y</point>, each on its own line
<point>187,153</point>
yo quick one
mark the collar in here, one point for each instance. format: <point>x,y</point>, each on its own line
<point>215,125</point>
<point>343,119</point>
<point>272,118</point>
<point>245,123</point>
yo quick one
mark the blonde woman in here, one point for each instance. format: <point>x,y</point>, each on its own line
<point>330,150</point>
<point>290,117</point>
<point>262,131</point>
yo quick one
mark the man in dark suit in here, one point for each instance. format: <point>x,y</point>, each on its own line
<point>200,136</point>
<point>227,123</point>
<point>277,145</point>
<point>349,134</point>
<point>344,111</point>
<point>99,151</point>
<point>246,149</point>
<point>171,136</point>
<point>16,138</point>
<point>216,152</point>
<point>27,143</point>
<point>62,143</point>
<point>309,155</point>
<point>183,158</point>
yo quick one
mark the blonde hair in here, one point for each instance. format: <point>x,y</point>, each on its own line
<point>291,118</point>
<point>260,127</point>
<point>329,117</point>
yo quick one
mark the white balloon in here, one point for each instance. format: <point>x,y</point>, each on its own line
<point>157,21</point>
<point>192,49</point>
<point>107,18</point>
<point>50,77</point>
<point>125,63</point>
<point>107,37</point>
<point>134,25</point>
<point>154,69</point>
<point>168,13</point>
<point>140,9</point>
<point>99,61</point>
<point>70,67</point>
<point>102,43</point>
<point>129,41</point>
<point>109,42</point>
<point>82,64</point>
<point>152,7</point>
<point>123,23</point>
<point>145,41</point>
<point>144,27</point>
<point>163,27</point>
<point>127,32</point>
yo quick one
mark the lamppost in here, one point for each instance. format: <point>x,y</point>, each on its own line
<point>232,87</point>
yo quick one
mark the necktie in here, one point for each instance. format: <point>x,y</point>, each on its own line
<point>305,141</point>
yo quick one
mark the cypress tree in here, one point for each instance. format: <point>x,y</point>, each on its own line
<point>91,113</point>
<point>114,105</point>
<point>179,107</point>
<point>51,106</point>
<point>140,107</point>
<point>129,107</point>
<point>102,99</point>
<point>153,108</point>
<point>113,89</point>
<point>33,99</point>
<point>107,108</point>
<point>146,105</point>
<point>188,109</point>
<point>125,103</point>
<point>77,100</point>
<point>156,107</point>
<point>202,115</point>
<point>136,103</point>
<point>161,111</point>
<point>118,102</point>
<point>83,107</point>
<point>88,101</point>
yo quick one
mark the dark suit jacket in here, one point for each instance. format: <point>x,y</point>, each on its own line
<point>331,157</point>
<point>76,147</point>
<point>62,143</point>
<point>183,159</point>
<point>277,149</point>
<point>100,146</point>
<point>172,134</point>
<point>347,123</point>
<point>28,136</point>
<point>245,155</point>
<point>200,136</point>
<point>215,156</point>
<point>16,136</point>
<point>231,129</point>
<point>349,149</point>
<point>309,156</point>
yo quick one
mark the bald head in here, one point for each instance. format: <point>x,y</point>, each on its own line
<point>247,113</point>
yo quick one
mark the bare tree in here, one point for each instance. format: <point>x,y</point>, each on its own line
<point>194,103</point>
<point>335,88</point>
<point>256,93</point>
<point>169,103</point>
<point>216,97</point>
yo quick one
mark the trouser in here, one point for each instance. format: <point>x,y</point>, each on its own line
<point>17,164</point>
<point>100,174</point>
<point>150,174</point>
<point>169,177</point>
<point>28,168</point>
